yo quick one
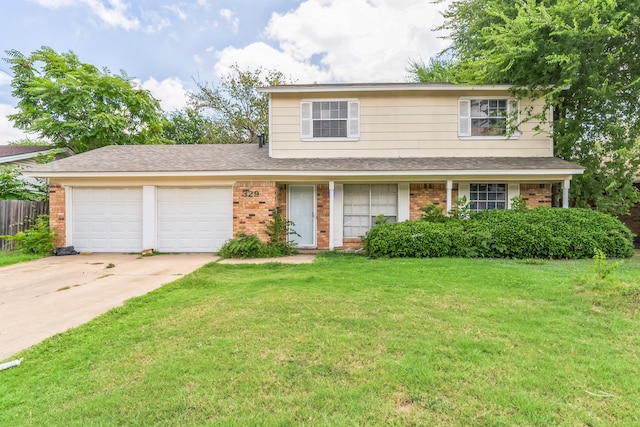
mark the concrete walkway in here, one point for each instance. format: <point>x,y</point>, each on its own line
<point>41,298</point>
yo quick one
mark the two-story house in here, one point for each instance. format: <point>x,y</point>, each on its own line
<point>338,156</point>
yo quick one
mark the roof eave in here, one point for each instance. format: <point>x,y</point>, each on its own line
<point>307,173</point>
<point>23,156</point>
<point>381,87</point>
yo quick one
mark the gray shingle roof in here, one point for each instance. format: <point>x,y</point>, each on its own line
<point>15,150</point>
<point>248,157</point>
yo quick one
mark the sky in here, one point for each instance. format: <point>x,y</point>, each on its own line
<point>169,45</point>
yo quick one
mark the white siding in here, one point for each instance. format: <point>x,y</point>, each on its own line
<point>400,124</point>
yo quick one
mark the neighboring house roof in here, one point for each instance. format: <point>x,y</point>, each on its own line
<point>14,153</point>
<point>236,159</point>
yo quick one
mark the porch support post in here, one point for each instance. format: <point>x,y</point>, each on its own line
<point>149,228</point>
<point>565,193</point>
<point>331,214</point>
<point>449,195</point>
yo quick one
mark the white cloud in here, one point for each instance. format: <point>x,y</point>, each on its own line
<point>114,14</point>
<point>176,9</point>
<point>5,79</point>
<point>345,41</point>
<point>229,16</point>
<point>55,4</point>
<point>261,54</point>
<point>7,132</point>
<point>170,92</point>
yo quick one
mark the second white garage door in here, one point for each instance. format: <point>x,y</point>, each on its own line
<point>194,219</point>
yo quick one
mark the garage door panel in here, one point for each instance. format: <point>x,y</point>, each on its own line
<point>107,219</point>
<point>194,219</point>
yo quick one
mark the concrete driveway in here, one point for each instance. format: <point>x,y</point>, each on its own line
<point>41,298</point>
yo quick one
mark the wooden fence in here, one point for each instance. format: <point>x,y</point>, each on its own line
<point>18,215</point>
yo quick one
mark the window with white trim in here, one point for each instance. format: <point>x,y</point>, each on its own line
<point>490,117</point>
<point>330,119</point>
<point>487,196</point>
<point>364,202</point>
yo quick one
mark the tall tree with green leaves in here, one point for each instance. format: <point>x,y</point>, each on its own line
<point>191,126</point>
<point>79,106</point>
<point>583,58</point>
<point>235,104</point>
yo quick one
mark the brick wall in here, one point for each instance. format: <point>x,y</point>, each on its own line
<point>423,194</point>
<point>322,215</point>
<point>536,194</point>
<point>253,204</point>
<point>57,213</point>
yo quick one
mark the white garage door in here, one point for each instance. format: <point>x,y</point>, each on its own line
<point>194,219</point>
<point>107,219</point>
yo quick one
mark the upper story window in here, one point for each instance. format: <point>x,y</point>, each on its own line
<point>330,119</point>
<point>490,117</point>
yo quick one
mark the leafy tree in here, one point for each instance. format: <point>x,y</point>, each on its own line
<point>440,69</point>
<point>241,112</point>
<point>79,106</point>
<point>14,185</point>
<point>581,57</point>
<point>29,142</point>
<point>190,126</point>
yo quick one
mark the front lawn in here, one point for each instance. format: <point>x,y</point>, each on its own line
<point>14,257</point>
<point>349,341</point>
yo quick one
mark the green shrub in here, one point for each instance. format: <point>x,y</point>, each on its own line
<point>250,246</point>
<point>536,233</point>
<point>243,246</point>
<point>433,213</point>
<point>37,240</point>
<point>548,233</point>
<point>278,230</point>
<point>417,239</point>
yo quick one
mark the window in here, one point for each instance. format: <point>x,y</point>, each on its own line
<point>363,202</point>
<point>330,119</point>
<point>487,117</point>
<point>487,196</point>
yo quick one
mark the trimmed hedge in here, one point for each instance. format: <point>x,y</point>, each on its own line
<point>536,233</point>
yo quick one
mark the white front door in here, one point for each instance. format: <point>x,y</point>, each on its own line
<point>302,212</point>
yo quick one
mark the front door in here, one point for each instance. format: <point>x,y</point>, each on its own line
<point>302,209</point>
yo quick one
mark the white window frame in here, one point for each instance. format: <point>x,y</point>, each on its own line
<point>465,118</point>
<point>353,120</point>
<point>513,190</point>
<point>372,213</point>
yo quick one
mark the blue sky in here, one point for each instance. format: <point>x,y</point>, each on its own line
<point>167,44</point>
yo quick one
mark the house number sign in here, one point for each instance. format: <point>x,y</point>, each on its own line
<point>250,193</point>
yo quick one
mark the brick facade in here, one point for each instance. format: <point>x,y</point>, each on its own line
<point>322,215</point>
<point>255,201</point>
<point>423,194</point>
<point>57,213</point>
<point>537,195</point>
<point>253,204</point>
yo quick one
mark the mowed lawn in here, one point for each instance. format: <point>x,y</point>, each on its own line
<point>349,341</point>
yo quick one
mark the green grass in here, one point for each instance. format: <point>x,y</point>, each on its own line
<point>349,341</point>
<point>14,257</point>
